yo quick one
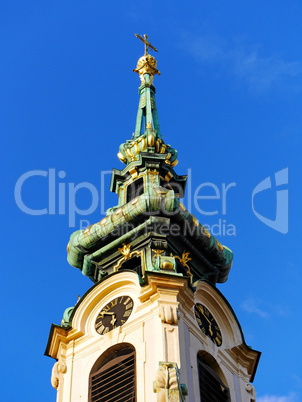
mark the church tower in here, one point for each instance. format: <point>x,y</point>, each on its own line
<point>153,327</point>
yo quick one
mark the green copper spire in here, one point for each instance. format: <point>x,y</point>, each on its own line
<point>147,116</point>
<point>147,136</point>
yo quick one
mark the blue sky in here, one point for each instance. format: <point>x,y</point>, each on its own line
<point>229,100</point>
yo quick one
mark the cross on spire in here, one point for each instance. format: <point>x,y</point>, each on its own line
<point>144,39</point>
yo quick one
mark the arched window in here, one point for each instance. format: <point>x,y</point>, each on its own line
<point>133,264</point>
<point>112,379</point>
<point>135,188</point>
<point>211,380</point>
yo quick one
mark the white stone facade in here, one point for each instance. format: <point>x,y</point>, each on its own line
<point>162,328</point>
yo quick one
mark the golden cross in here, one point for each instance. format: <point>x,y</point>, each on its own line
<point>144,39</point>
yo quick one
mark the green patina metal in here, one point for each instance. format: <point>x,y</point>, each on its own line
<point>151,169</point>
<point>158,216</point>
<point>149,142</point>
<point>66,320</point>
<point>147,111</point>
<point>147,136</point>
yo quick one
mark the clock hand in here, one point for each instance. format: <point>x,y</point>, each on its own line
<point>113,320</point>
<point>207,319</point>
<point>210,325</point>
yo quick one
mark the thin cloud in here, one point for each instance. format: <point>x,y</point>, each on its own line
<point>264,72</point>
<point>282,311</point>
<point>252,306</point>
<point>246,62</point>
<point>274,398</point>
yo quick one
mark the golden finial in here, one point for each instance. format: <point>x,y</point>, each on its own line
<point>147,63</point>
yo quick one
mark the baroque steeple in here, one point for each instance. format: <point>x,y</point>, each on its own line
<point>149,208</point>
<point>154,327</point>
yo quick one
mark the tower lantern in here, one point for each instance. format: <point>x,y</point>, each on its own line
<point>153,327</point>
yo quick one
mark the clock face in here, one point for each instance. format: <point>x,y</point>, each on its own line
<point>114,314</point>
<point>208,324</point>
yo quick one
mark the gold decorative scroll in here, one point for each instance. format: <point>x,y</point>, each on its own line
<point>126,253</point>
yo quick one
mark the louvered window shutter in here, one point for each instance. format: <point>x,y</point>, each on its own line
<point>212,388</point>
<point>114,381</point>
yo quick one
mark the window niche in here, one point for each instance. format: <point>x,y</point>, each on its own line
<point>133,264</point>
<point>113,376</point>
<point>134,189</point>
<point>211,380</point>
